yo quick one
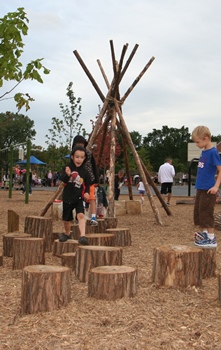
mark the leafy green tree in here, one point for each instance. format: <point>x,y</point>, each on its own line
<point>63,130</point>
<point>168,142</point>
<point>14,129</point>
<point>12,27</point>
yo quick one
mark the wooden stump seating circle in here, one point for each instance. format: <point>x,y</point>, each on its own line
<point>177,266</point>
<point>59,248</point>
<point>8,239</point>
<point>104,239</point>
<point>45,288</point>
<point>122,236</point>
<point>92,256</point>
<point>28,251</point>
<point>112,282</point>
<point>68,260</point>
<point>13,221</point>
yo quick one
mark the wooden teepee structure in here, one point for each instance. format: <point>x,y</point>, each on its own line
<point>111,113</point>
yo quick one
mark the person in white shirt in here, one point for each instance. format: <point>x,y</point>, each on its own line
<point>141,189</point>
<point>166,174</point>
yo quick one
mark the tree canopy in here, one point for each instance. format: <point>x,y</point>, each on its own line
<point>13,26</point>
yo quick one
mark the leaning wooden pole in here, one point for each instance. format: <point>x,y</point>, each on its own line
<point>139,165</point>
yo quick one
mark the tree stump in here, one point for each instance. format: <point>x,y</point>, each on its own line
<point>104,239</point>
<point>92,256</point>
<point>177,266</point>
<point>39,226</point>
<point>60,248</point>
<point>13,221</point>
<point>68,260</point>
<point>28,251</point>
<point>111,222</point>
<point>101,227</point>
<point>217,221</point>
<point>219,286</point>
<point>112,282</point>
<point>208,262</point>
<point>122,236</point>
<point>133,207</point>
<point>1,259</point>
<point>75,231</point>
<point>45,288</point>
<point>8,239</point>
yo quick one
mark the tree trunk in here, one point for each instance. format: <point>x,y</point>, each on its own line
<point>45,288</point>
<point>208,262</point>
<point>92,256</point>
<point>122,236</point>
<point>111,222</point>
<point>41,227</point>
<point>60,248</point>
<point>68,260</point>
<point>112,282</point>
<point>28,251</point>
<point>177,266</point>
<point>100,228</point>
<point>13,221</point>
<point>8,240</point>
<point>102,239</point>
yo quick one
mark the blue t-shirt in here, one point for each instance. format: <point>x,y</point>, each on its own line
<point>207,167</point>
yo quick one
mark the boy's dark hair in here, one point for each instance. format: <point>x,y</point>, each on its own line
<point>79,139</point>
<point>79,148</point>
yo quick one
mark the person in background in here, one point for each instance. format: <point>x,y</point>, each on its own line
<point>118,183</point>
<point>49,178</point>
<point>77,186</point>
<point>91,167</point>
<point>141,190</point>
<point>166,174</point>
<point>207,187</point>
<point>102,202</point>
<point>24,181</point>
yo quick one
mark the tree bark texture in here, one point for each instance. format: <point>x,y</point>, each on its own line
<point>112,282</point>
<point>92,256</point>
<point>100,228</point>
<point>110,222</point>
<point>122,236</point>
<point>8,240</point>
<point>45,288</point>
<point>13,221</point>
<point>60,248</point>
<point>177,266</point>
<point>68,260</point>
<point>28,251</point>
<point>41,227</point>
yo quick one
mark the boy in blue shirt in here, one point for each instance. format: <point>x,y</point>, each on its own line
<point>207,187</point>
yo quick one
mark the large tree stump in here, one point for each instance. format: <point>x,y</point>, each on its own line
<point>68,260</point>
<point>45,288</point>
<point>28,251</point>
<point>217,221</point>
<point>208,262</point>
<point>112,282</point>
<point>8,239</point>
<point>111,222</point>
<point>57,209</point>
<point>133,207</point>
<point>101,227</point>
<point>39,226</point>
<point>92,256</point>
<point>75,231</point>
<point>177,266</point>
<point>122,236</point>
<point>104,239</point>
<point>13,221</point>
<point>59,248</point>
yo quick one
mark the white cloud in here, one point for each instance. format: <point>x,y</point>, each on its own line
<point>182,86</point>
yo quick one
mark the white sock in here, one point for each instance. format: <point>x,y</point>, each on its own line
<point>210,235</point>
<point>93,216</point>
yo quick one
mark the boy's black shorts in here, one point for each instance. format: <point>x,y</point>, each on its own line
<point>166,187</point>
<point>69,207</point>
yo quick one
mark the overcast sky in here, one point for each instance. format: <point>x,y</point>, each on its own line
<point>181,87</point>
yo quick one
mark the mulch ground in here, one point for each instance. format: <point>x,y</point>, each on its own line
<point>156,318</point>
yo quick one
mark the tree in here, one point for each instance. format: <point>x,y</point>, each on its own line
<point>168,142</point>
<point>12,27</point>
<point>14,129</point>
<point>63,130</point>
